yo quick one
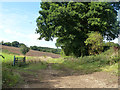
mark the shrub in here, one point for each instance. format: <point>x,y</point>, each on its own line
<point>95,43</point>
<point>24,49</point>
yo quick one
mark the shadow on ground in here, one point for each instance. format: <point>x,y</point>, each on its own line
<point>52,77</point>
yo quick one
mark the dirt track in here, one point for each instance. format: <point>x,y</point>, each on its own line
<point>50,78</point>
<point>31,52</point>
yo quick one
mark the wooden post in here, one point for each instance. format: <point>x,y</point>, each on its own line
<point>14,61</point>
<point>24,59</point>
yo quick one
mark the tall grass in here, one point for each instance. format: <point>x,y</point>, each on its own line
<point>108,59</point>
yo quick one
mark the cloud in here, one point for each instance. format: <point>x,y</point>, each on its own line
<point>29,39</point>
<point>8,31</point>
<point>15,26</point>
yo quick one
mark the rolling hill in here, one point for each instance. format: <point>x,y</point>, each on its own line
<point>30,53</point>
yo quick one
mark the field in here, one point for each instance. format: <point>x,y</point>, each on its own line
<point>47,72</point>
<point>30,53</point>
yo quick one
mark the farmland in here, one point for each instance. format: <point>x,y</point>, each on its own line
<point>30,53</point>
<point>50,72</point>
<point>60,44</point>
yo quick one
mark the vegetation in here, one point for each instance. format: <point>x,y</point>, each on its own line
<point>106,61</point>
<point>80,29</point>
<point>15,44</point>
<point>46,49</point>
<point>70,22</point>
<point>24,49</point>
<point>43,49</point>
<point>95,43</point>
<point>9,78</point>
<point>11,75</point>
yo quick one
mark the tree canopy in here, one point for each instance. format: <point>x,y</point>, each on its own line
<point>71,21</point>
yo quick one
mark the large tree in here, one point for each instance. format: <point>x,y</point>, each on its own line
<point>71,21</point>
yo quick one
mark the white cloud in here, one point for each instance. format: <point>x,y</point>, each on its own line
<point>1,27</point>
<point>33,36</point>
<point>29,39</point>
<point>8,31</point>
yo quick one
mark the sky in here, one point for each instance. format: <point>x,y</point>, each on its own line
<point>18,23</point>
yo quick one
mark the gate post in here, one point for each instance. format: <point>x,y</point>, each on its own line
<point>14,61</point>
<point>24,59</point>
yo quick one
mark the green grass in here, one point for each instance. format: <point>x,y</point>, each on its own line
<point>113,68</point>
<point>9,77</point>
<point>85,65</point>
<point>88,64</point>
<point>8,57</point>
<point>36,66</point>
<point>55,60</point>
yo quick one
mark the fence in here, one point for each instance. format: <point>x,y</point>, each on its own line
<point>19,60</point>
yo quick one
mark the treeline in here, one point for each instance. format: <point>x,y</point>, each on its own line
<point>46,49</point>
<point>14,43</point>
<point>37,48</point>
<point>110,44</point>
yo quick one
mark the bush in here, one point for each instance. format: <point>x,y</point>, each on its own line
<point>104,58</point>
<point>24,49</point>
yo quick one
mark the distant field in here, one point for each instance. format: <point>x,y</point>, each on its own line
<point>30,53</point>
<point>9,57</point>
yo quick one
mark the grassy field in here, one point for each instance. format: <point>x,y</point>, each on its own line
<point>106,61</point>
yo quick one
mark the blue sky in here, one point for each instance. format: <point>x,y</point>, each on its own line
<point>18,22</point>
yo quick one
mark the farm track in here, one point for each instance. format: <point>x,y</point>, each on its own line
<point>50,78</point>
<point>30,53</point>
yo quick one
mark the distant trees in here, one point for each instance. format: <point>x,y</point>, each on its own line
<point>7,43</point>
<point>46,49</point>
<point>112,44</point>
<point>19,45</point>
<point>15,44</point>
<point>34,48</point>
<point>107,45</point>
